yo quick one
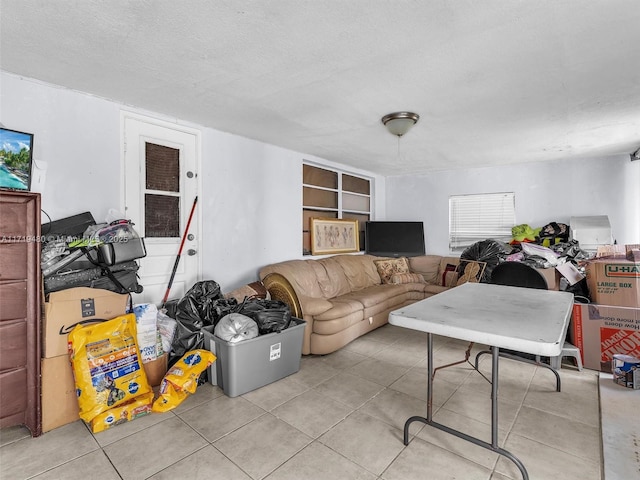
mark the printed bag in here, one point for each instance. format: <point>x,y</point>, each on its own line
<point>106,365</point>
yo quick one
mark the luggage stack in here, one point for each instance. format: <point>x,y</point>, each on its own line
<point>77,252</point>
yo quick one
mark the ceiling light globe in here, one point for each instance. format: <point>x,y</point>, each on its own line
<point>399,123</point>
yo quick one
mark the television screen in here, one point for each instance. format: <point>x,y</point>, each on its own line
<point>15,159</point>
<point>394,239</point>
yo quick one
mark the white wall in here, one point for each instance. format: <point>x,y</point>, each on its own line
<point>544,192</point>
<point>250,206</point>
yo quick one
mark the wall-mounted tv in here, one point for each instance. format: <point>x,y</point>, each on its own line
<point>394,239</point>
<point>15,159</point>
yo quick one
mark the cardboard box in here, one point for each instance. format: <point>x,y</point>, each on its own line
<point>614,282</point>
<point>601,331</point>
<point>155,370</point>
<point>66,308</point>
<point>632,252</point>
<point>552,276</point>
<point>59,400</point>
<point>591,231</point>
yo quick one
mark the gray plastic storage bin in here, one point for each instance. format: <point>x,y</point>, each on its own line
<point>250,364</point>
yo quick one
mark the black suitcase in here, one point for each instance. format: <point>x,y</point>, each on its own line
<point>121,278</point>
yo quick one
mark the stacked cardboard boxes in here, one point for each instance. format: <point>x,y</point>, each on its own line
<point>611,324</point>
<point>63,310</point>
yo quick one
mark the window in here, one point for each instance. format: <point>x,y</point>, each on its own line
<point>473,218</point>
<point>331,193</point>
<point>162,191</point>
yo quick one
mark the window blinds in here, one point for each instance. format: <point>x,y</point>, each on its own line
<point>478,217</point>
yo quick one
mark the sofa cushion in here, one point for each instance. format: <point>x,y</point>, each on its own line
<point>433,289</point>
<point>340,307</point>
<point>331,277</point>
<point>390,266</point>
<point>338,324</point>
<point>428,266</point>
<point>314,306</point>
<point>300,273</point>
<point>378,294</point>
<point>400,278</point>
<point>360,270</point>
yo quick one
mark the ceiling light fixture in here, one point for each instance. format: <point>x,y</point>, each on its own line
<point>399,123</point>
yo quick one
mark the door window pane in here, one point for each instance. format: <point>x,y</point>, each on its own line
<point>162,168</point>
<point>161,216</point>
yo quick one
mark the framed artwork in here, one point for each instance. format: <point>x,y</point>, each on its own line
<point>331,235</point>
<point>471,271</point>
<point>15,159</point>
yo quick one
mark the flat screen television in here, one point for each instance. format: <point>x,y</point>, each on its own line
<point>394,239</point>
<point>15,159</point>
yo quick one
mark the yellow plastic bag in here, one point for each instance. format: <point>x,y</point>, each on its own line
<point>134,408</point>
<point>106,365</point>
<point>182,379</point>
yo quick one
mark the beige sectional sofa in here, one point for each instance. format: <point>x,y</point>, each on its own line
<point>344,296</point>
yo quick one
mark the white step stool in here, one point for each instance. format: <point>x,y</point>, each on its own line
<point>568,350</point>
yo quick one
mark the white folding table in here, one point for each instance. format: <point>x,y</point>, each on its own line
<point>515,318</point>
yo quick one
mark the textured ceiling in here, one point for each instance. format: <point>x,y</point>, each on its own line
<point>495,82</point>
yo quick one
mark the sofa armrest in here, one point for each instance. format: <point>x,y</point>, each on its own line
<point>314,306</point>
<point>279,288</point>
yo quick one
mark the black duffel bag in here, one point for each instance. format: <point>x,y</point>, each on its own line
<point>272,316</point>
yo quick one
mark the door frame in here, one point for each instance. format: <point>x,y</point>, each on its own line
<point>173,125</point>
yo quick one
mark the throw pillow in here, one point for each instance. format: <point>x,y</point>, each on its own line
<point>450,278</point>
<point>427,266</point>
<point>387,268</point>
<point>446,277</point>
<point>399,278</point>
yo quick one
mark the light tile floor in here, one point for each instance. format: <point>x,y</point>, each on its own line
<point>341,417</point>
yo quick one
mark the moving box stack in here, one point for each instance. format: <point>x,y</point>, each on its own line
<point>87,277</point>
<point>610,325</point>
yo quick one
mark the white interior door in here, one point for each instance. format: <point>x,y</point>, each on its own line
<point>160,187</point>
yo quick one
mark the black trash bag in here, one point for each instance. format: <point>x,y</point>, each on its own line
<point>536,261</point>
<point>272,316</point>
<point>196,305</point>
<point>580,291</point>
<point>201,306</point>
<point>488,251</point>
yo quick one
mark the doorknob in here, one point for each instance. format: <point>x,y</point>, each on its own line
<point>191,252</point>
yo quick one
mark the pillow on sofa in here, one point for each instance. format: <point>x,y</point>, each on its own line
<point>391,266</point>
<point>399,278</point>
<point>449,276</point>
<point>427,266</point>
